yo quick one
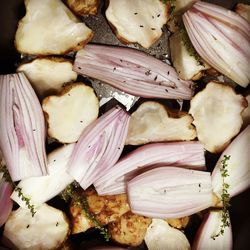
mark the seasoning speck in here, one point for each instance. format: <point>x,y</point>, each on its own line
<point>114,68</point>
<point>135,13</point>
<point>155,78</point>
<point>152,28</point>
<point>158,15</point>
<point>57,224</point>
<point>81,121</point>
<point>68,94</point>
<point>166,90</point>
<point>168,72</point>
<point>27,226</point>
<point>148,72</point>
<point>79,67</point>
<point>141,26</point>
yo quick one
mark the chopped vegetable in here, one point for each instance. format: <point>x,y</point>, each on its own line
<point>138,21</point>
<point>48,229</point>
<point>217,115</point>
<point>238,170</point>
<point>170,192</point>
<point>84,7</point>
<point>222,38</point>
<point>184,154</point>
<point>243,10</point>
<point>129,229</point>
<point>153,122</point>
<point>162,236</point>
<point>49,28</point>
<point>105,208</point>
<point>53,183</point>
<point>210,226</point>
<point>99,147</point>
<point>186,64</point>
<point>132,71</point>
<point>22,128</point>
<point>69,113</point>
<point>48,75</point>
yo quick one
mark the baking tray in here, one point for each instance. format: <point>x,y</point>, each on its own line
<point>13,10</point>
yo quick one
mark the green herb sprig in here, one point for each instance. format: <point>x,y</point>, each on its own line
<point>171,3</point>
<point>225,198</point>
<point>81,201</point>
<point>6,176</point>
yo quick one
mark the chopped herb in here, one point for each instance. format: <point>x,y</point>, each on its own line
<point>6,176</point>
<point>225,197</point>
<point>171,4</point>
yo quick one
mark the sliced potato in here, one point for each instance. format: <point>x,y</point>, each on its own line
<point>49,28</point>
<point>217,115</point>
<point>48,229</point>
<point>129,229</point>
<point>246,113</point>
<point>186,64</point>
<point>243,10</point>
<point>69,113</point>
<point>138,21</point>
<point>153,122</point>
<point>161,236</point>
<point>48,75</point>
<point>84,7</point>
<point>106,209</point>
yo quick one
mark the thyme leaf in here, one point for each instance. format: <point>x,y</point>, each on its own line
<point>225,198</point>
<point>171,4</point>
<point>6,176</point>
<point>81,201</point>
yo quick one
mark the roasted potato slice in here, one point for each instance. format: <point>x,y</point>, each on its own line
<point>153,122</point>
<point>49,28</point>
<point>105,208</point>
<point>69,113</point>
<point>84,7</point>
<point>48,75</point>
<point>243,10</point>
<point>47,229</point>
<point>217,115</point>
<point>138,21</point>
<point>129,229</point>
<point>161,236</point>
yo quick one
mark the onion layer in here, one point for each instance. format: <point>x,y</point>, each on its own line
<point>22,128</point>
<point>210,227</point>
<point>5,201</point>
<point>132,71</point>
<point>185,154</point>
<point>238,166</point>
<point>170,192</point>
<point>222,39</point>
<point>99,147</point>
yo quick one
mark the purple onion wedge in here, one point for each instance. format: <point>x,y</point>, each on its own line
<point>185,154</point>
<point>99,147</point>
<point>22,128</point>
<point>132,71</point>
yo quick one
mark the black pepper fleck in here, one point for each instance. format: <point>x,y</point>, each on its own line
<point>79,67</point>
<point>81,121</point>
<point>155,78</point>
<point>141,26</point>
<point>114,68</point>
<point>166,90</point>
<point>27,226</point>
<point>158,15</point>
<point>135,13</point>
<point>168,72</point>
<point>148,72</point>
<point>57,224</point>
<point>153,17</point>
<point>152,28</point>
<point>68,94</point>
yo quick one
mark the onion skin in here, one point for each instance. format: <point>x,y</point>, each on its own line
<point>238,166</point>
<point>22,128</point>
<point>5,201</point>
<point>222,38</point>
<point>170,192</point>
<point>99,147</point>
<point>209,227</point>
<point>132,71</point>
<point>181,154</point>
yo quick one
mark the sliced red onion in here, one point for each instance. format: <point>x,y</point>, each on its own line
<point>132,71</point>
<point>170,192</point>
<point>43,188</point>
<point>185,154</point>
<point>99,147</point>
<point>5,201</point>
<point>209,228</point>
<point>238,166</point>
<point>222,39</point>
<point>22,128</point>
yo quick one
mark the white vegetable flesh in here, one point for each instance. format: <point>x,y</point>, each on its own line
<point>69,113</point>
<point>152,122</point>
<point>48,229</point>
<point>138,21</point>
<point>217,115</point>
<point>49,28</point>
<point>48,75</point>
